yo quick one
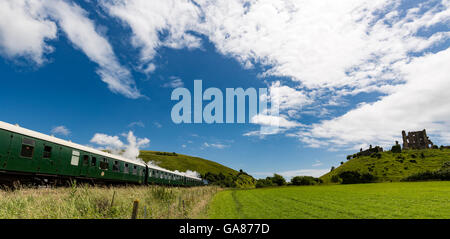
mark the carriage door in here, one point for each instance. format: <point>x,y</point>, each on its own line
<point>5,143</point>
<point>84,165</point>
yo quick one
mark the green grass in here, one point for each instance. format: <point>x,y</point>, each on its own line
<point>377,200</point>
<point>97,202</point>
<point>392,168</point>
<point>183,163</point>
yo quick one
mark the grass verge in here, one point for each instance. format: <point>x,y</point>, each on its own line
<point>79,202</point>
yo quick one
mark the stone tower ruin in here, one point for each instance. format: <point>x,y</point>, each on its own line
<point>416,140</point>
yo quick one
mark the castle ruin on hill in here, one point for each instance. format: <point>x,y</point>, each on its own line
<point>416,140</point>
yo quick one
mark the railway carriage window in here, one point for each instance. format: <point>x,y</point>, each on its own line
<point>94,161</point>
<point>75,158</point>
<point>134,170</point>
<point>27,148</point>
<point>104,164</point>
<point>85,160</point>
<point>47,152</point>
<point>116,166</point>
<point>126,170</point>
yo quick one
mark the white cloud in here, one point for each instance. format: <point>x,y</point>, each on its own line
<point>150,18</point>
<point>271,120</point>
<point>24,31</point>
<point>329,49</point>
<point>137,123</point>
<point>108,141</point>
<point>61,130</point>
<point>422,102</point>
<point>25,25</point>
<point>215,145</point>
<point>292,173</point>
<point>319,43</point>
<point>174,82</point>
<point>81,32</point>
<point>343,47</point>
<point>317,163</point>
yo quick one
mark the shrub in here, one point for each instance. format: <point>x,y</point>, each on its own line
<point>278,180</point>
<point>446,165</point>
<point>349,157</point>
<point>335,179</point>
<point>428,175</point>
<point>351,177</point>
<point>166,153</point>
<point>396,148</point>
<point>241,180</point>
<point>305,180</point>
<point>260,183</point>
<point>442,174</point>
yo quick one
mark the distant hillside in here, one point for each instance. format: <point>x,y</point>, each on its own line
<point>394,166</point>
<point>215,173</point>
<point>182,163</point>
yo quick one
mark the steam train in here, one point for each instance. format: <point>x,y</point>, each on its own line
<point>28,156</point>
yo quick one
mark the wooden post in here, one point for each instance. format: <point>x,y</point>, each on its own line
<point>112,200</point>
<point>184,211</point>
<point>168,209</point>
<point>135,209</point>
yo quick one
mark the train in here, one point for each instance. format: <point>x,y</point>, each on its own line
<point>27,156</point>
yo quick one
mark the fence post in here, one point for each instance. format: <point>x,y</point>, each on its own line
<point>184,211</point>
<point>112,200</point>
<point>135,209</point>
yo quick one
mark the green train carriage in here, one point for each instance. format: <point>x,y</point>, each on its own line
<point>31,156</point>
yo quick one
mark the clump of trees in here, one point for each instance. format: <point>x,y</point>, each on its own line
<point>240,180</point>
<point>396,148</point>
<point>305,180</point>
<point>264,182</point>
<point>442,174</point>
<point>352,177</point>
<point>278,180</point>
<point>166,153</point>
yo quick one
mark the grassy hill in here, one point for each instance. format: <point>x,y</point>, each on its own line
<point>394,166</point>
<point>182,163</point>
<point>215,173</point>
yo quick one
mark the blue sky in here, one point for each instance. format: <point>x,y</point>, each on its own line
<point>347,75</point>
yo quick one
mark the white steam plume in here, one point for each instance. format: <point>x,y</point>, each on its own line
<point>113,143</point>
<point>131,150</point>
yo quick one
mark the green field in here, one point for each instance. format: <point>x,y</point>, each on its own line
<point>377,200</point>
<point>87,202</point>
<point>182,163</point>
<point>394,166</point>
